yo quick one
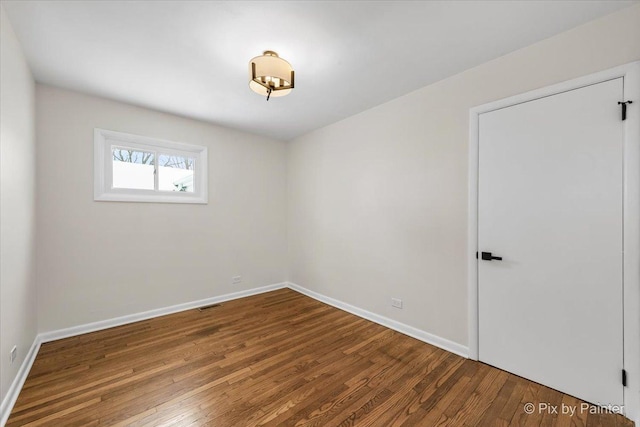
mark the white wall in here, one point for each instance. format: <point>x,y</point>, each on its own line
<point>100,260</point>
<point>377,203</point>
<point>18,322</point>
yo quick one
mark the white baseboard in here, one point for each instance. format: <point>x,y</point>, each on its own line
<point>14,390</point>
<point>16,386</point>
<point>131,318</point>
<point>416,333</point>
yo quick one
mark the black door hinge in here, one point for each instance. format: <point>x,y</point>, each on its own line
<point>624,378</point>
<point>624,108</point>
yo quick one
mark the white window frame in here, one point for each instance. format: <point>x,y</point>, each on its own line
<point>105,140</point>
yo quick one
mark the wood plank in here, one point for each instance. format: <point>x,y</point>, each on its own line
<point>275,359</point>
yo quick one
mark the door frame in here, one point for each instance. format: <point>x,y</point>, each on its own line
<point>631,216</point>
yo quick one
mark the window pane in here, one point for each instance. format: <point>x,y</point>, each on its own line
<point>175,173</point>
<point>133,169</point>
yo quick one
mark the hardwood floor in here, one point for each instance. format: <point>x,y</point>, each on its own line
<point>277,359</point>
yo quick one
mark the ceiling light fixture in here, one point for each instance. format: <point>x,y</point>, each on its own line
<point>270,75</point>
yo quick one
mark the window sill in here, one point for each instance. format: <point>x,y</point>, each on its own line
<point>150,198</point>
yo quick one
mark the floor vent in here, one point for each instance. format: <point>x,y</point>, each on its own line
<point>207,307</point>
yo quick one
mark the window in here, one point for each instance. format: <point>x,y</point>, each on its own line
<point>132,168</point>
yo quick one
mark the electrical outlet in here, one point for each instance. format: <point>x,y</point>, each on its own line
<point>396,302</point>
<point>236,280</point>
<point>14,353</point>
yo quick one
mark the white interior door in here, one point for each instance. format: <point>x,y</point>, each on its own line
<point>550,204</point>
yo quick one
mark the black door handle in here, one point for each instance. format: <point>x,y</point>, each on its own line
<point>487,256</point>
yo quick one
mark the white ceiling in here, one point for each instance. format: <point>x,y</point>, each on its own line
<point>190,57</point>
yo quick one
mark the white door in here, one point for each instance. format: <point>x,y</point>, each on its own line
<point>550,204</point>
